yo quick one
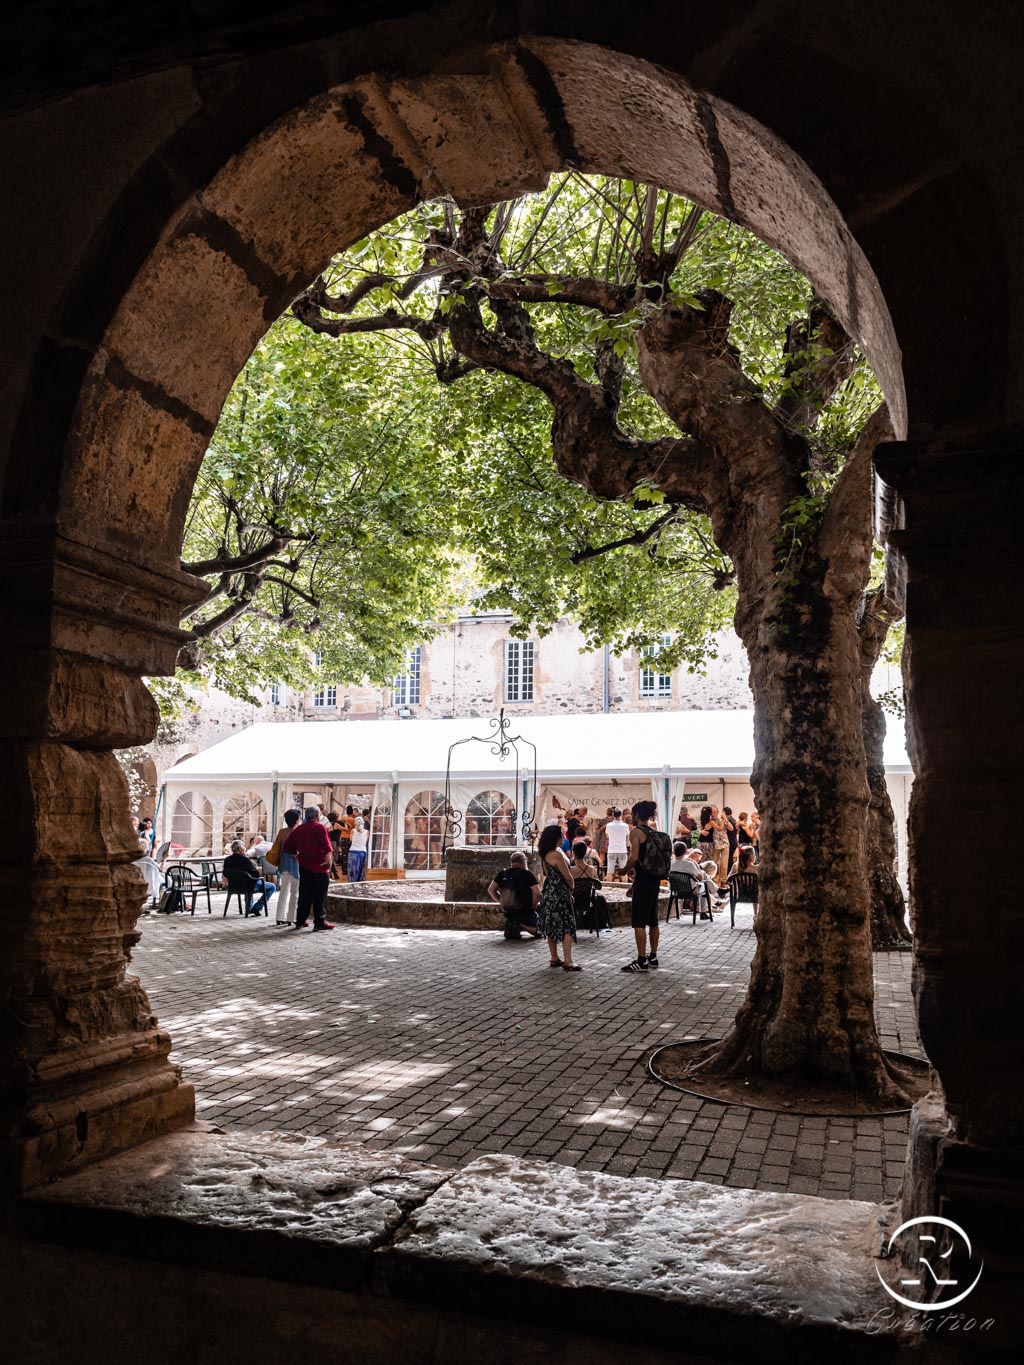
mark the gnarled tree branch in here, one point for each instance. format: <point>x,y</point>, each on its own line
<point>228,563</point>
<point>637,538</point>
<point>588,445</point>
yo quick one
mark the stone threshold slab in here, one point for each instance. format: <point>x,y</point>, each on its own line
<point>669,1265</point>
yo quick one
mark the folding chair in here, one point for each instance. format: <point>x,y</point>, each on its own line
<point>683,893</point>
<point>184,881</point>
<point>742,891</point>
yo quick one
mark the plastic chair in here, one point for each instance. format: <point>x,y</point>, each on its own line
<point>589,905</point>
<point>184,881</point>
<point>684,893</point>
<point>209,869</point>
<point>742,891</point>
<point>243,886</point>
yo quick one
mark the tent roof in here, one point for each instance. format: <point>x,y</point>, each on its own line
<point>680,743</point>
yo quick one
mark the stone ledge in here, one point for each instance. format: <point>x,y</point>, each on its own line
<point>346,906</point>
<point>649,1264</point>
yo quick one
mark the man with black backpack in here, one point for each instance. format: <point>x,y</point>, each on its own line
<point>650,855</point>
<point>518,891</point>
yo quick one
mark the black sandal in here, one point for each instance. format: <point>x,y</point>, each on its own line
<point>570,967</point>
<point>557,963</point>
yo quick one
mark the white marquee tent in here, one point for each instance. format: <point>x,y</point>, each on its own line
<point>398,769</point>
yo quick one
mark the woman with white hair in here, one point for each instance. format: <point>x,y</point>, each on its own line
<point>357,852</point>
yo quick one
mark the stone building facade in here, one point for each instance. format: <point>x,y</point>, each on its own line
<point>472,669</point>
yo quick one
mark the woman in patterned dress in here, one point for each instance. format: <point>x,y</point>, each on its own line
<point>555,913</point>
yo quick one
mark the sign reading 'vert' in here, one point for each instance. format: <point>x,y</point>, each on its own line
<point>695,797</point>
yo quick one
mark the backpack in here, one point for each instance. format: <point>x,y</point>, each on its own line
<point>655,856</point>
<point>509,901</point>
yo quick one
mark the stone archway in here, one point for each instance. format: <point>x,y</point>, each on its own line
<point>101,505</point>
<point>231,258</point>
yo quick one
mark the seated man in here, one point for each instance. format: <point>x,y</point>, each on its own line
<point>519,893</point>
<point>687,861</point>
<point>261,846</point>
<point>238,865</point>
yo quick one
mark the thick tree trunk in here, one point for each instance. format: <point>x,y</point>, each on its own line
<point>809,1007</point>
<point>888,908</point>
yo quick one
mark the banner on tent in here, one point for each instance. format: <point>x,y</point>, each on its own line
<point>596,798</point>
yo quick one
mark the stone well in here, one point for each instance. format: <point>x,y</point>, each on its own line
<point>470,871</point>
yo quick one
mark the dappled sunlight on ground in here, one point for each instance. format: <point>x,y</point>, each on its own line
<point>444,1045</point>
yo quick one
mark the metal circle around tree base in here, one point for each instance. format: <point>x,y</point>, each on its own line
<point>816,1111</point>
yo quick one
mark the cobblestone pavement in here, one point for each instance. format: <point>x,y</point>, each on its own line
<point>446,1045</point>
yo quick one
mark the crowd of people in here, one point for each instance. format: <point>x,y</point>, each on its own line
<point>314,847</point>
<point>626,845</point>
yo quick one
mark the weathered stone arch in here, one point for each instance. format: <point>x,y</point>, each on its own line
<point>234,251</point>
<point>118,371</point>
<point>237,251</point>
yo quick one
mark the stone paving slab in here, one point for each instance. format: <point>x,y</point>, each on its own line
<point>606,1262</point>
<point>327,1193</point>
<point>447,1046</point>
<point>738,1251</point>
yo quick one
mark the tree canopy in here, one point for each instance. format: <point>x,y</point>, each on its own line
<point>602,401</point>
<point>366,479</point>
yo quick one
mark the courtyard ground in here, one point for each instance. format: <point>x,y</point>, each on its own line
<point>446,1045</point>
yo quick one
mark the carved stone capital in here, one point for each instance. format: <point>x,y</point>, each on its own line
<point>90,621</point>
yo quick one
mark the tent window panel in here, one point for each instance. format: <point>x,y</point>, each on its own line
<point>519,660</point>
<point>406,687</point>
<point>424,831</point>
<point>192,824</point>
<point>491,820</point>
<point>245,816</point>
<point>380,836</point>
<point>652,683</point>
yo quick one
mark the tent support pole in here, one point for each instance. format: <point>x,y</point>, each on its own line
<point>393,851</point>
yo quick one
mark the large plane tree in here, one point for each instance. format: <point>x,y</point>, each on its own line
<point>601,298</point>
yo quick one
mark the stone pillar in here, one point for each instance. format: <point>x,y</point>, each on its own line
<point>83,1065</point>
<point>961,541</point>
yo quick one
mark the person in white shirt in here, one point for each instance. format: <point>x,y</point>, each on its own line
<point>357,853</point>
<point>617,833</point>
<point>261,846</point>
